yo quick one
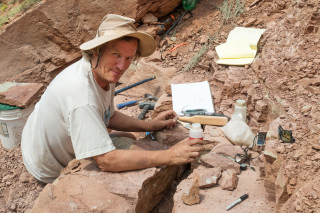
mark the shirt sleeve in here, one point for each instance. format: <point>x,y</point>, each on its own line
<point>88,133</point>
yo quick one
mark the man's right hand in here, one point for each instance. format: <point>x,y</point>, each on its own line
<point>185,151</point>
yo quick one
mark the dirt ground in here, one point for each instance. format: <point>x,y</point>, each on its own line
<point>285,74</point>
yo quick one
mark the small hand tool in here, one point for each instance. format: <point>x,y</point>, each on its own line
<point>205,119</point>
<point>242,198</point>
<point>146,96</point>
<point>133,85</point>
<point>146,106</point>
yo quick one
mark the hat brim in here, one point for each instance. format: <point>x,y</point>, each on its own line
<point>147,44</point>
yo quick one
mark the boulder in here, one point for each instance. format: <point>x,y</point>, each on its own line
<point>84,188</point>
<point>47,39</point>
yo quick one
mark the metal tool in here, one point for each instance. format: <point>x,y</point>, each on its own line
<point>193,112</point>
<point>146,106</point>
<point>146,96</point>
<point>133,85</point>
<point>151,135</point>
<point>188,5</point>
<point>242,198</point>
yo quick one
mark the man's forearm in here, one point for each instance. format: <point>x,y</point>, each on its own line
<point>122,122</point>
<point>125,160</point>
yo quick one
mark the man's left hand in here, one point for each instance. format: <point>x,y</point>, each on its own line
<point>166,119</point>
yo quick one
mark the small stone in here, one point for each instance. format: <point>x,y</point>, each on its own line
<point>250,22</point>
<point>316,157</point>
<point>280,149</point>
<point>316,146</point>
<point>228,180</point>
<point>270,157</point>
<point>293,181</point>
<point>194,195</point>
<point>149,18</point>
<point>314,195</point>
<point>203,39</point>
<point>306,108</point>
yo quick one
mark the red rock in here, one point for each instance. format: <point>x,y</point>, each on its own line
<point>207,176</point>
<point>227,150</point>
<point>212,131</point>
<point>194,196</point>
<point>19,94</point>
<point>228,180</point>
<point>316,146</point>
<point>220,77</point>
<point>155,57</point>
<point>171,137</point>
<point>61,34</point>
<point>261,106</point>
<point>249,22</point>
<point>90,189</point>
<point>260,117</point>
<point>215,160</point>
<point>149,18</point>
<point>270,156</point>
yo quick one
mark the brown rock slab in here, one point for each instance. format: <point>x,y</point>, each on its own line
<point>173,136</point>
<point>227,150</point>
<point>214,160</point>
<point>228,180</point>
<point>207,176</point>
<point>19,94</point>
<point>82,187</point>
<point>193,197</point>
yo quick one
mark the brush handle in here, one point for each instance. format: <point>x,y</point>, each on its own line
<point>119,106</point>
<point>209,120</point>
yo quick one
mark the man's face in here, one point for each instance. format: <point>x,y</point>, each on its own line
<point>115,59</point>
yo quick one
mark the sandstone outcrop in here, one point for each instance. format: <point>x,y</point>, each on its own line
<point>82,187</point>
<point>44,41</point>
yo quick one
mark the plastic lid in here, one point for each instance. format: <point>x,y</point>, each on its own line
<point>196,125</point>
<point>241,102</point>
<point>7,107</point>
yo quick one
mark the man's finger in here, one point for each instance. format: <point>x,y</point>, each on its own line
<point>196,148</point>
<point>195,141</point>
<point>194,154</point>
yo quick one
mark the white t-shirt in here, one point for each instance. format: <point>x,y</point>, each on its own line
<point>69,121</point>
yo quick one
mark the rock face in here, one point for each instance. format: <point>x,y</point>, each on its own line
<point>19,94</point>
<point>46,40</point>
<point>82,187</point>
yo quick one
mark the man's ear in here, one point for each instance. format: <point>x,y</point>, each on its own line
<point>94,59</point>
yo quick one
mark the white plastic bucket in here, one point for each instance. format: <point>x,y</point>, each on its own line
<point>11,125</point>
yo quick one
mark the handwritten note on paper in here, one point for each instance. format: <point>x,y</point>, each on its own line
<point>192,96</point>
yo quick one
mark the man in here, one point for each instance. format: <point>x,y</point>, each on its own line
<point>72,117</point>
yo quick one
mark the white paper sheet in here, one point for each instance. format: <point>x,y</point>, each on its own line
<point>191,96</point>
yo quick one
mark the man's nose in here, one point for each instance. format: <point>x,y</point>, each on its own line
<point>121,63</point>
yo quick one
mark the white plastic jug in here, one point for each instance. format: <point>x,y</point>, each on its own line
<point>238,132</point>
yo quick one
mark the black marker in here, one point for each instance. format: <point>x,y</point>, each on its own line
<point>242,198</point>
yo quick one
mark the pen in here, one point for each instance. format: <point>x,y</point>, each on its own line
<point>242,198</point>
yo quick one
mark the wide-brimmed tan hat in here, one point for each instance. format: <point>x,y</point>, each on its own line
<point>116,26</point>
